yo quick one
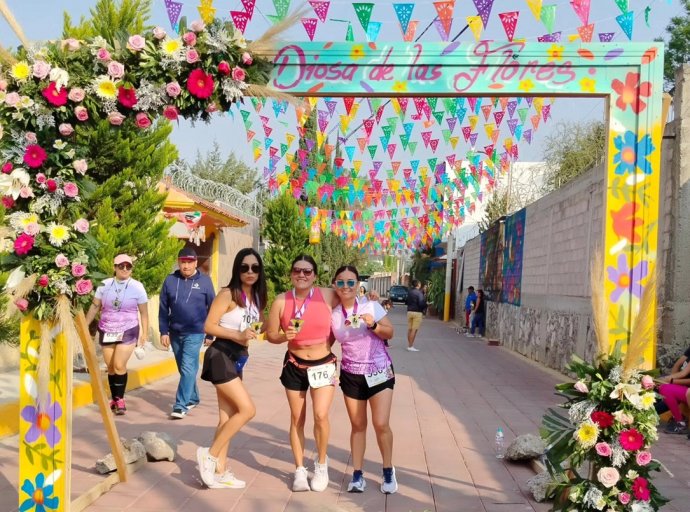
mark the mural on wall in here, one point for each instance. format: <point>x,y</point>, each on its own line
<point>513,242</point>
<point>491,262</point>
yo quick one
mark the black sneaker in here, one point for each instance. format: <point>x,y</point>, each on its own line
<point>678,427</point>
<point>178,414</point>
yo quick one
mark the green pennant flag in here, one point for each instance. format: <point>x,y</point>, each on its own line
<point>432,163</point>
<point>446,136</point>
<point>432,102</point>
<point>393,123</point>
<point>404,139</point>
<point>283,149</point>
<point>548,16</point>
<point>412,146</point>
<point>522,113</point>
<point>438,116</point>
<point>245,115</point>
<point>622,5</point>
<point>350,36</point>
<point>451,106</point>
<point>390,173</point>
<point>375,104</point>
<point>363,12</point>
<point>387,130</point>
<point>282,7</point>
<point>372,149</point>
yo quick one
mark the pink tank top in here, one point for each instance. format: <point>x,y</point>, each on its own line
<point>316,316</point>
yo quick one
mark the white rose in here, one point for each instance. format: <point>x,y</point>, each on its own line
<point>608,477</point>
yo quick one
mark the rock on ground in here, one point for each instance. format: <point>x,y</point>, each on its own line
<point>158,445</point>
<point>133,451</point>
<point>525,447</point>
<point>538,486</point>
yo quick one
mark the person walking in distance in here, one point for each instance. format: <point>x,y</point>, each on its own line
<point>470,301</point>
<point>416,307</point>
<point>478,316</point>
<point>185,299</point>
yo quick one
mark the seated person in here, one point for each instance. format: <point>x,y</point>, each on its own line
<point>675,390</point>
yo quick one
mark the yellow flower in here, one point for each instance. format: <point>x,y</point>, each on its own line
<point>30,218</point>
<point>171,46</point>
<point>587,434</point>
<point>647,401</point>
<point>58,234</point>
<point>400,86</point>
<point>105,87</point>
<point>526,85</point>
<point>588,84</point>
<point>357,52</point>
<point>555,52</point>
<point>20,70</point>
<point>25,102</point>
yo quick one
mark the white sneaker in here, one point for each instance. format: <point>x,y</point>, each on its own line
<point>207,466</point>
<point>412,349</point>
<point>301,482</point>
<point>320,480</point>
<point>357,485</point>
<point>191,406</point>
<point>390,484</point>
<point>178,414</point>
<point>227,481</point>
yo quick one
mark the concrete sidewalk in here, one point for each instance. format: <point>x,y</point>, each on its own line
<point>449,399</point>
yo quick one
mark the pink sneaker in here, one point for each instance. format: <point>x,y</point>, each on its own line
<point>113,405</point>
<point>120,407</point>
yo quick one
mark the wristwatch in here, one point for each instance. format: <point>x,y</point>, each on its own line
<point>373,326</point>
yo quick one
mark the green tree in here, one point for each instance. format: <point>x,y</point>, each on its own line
<point>496,207</point>
<point>677,50</point>
<point>331,253</point>
<point>232,171</point>
<point>421,264</point>
<point>110,19</point>
<point>571,150</point>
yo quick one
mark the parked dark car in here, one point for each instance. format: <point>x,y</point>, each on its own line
<point>398,294</point>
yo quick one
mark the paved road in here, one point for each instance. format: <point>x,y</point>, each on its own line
<point>449,399</point>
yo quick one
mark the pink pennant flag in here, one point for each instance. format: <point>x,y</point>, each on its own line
<point>546,112</point>
<point>391,149</point>
<point>310,27</point>
<point>509,21</point>
<point>586,32</point>
<point>426,137</point>
<point>320,8</point>
<point>411,31</point>
<point>403,104</point>
<point>240,19</point>
<point>581,8</point>
<point>348,101</point>
<point>419,103</point>
<point>368,126</point>
<point>498,117</point>
<point>434,144</point>
<point>466,131</point>
<point>472,101</point>
<point>249,7</point>
<point>486,110</point>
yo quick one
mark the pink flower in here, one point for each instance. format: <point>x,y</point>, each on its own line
<point>3,84</point>
<point>22,304</point>
<point>640,489</point>
<point>115,118</point>
<point>189,38</point>
<point>65,129</point>
<point>80,166</point>
<point>76,95</point>
<point>608,477</point>
<point>43,280</point>
<point>581,387</point>
<point>51,185</point>
<point>643,458</point>
<point>247,59</point>
<point>12,99</point>
<point>78,269</point>
<point>624,498</point>
<point>56,97</point>
<point>41,69</point>
<point>71,44</point>
<point>81,225</point>
<point>224,68</point>
<point>238,74</point>
<point>197,26</point>
<point>40,178</point>
<point>103,54</point>
<point>7,202</point>
<point>7,167</point>
<point>631,440</point>
<point>142,120</point>
<point>173,89</point>
<point>136,43</point>
<point>170,112</point>
<point>603,449</point>
<point>647,382</point>
<point>83,286</point>
<point>70,189</point>
<point>212,107</point>
<point>23,244</point>
<point>32,229</point>
<point>35,156</point>
<point>30,137</point>
<point>159,33</point>
<point>26,192</point>
<point>192,56</point>
<point>61,261</point>
<point>81,113</point>
<point>116,69</point>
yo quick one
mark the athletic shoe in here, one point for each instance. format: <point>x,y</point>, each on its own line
<point>412,349</point>
<point>470,335</point>
<point>301,482</point>
<point>191,406</point>
<point>120,407</point>
<point>178,414</point>
<point>227,481</point>
<point>113,405</point>
<point>319,481</point>
<point>678,427</point>
<point>389,484</point>
<point>357,484</point>
<point>207,466</point>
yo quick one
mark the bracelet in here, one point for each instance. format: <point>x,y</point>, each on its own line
<point>373,326</point>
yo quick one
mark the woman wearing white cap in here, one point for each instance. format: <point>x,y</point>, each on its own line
<point>121,301</point>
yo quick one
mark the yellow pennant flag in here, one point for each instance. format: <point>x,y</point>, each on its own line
<point>207,12</point>
<point>282,178</point>
<point>257,154</point>
<point>508,143</point>
<point>289,137</point>
<point>535,7</point>
<point>476,26</point>
<point>289,158</point>
<point>344,123</point>
<point>320,136</point>
<point>396,106</point>
<point>357,164</point>
<point>353,110</point>
<point>473,121</point>
<point>454,141</point>
<point>312,101</point>
<point>489,128</point>
<point>538,104</point>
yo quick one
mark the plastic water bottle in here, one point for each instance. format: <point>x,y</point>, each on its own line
<point>498,446</point>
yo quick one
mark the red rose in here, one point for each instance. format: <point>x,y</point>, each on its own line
<point>7,201</point>
<point>142,120</point>
<point>224,68</point>
<point>171,113</point>
<point>640,489</point>
<point>53,96</point>
<point>200,85</point>
<point>7,167</point>
<point>127,97</point>
<point>43,280</point>
<point>51,185</point>
<point>602,418</point>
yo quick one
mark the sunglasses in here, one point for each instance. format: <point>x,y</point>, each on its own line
<point>306,271</point>
<point>350,283</point>
<point>245,268</point>
<point>124,266</point>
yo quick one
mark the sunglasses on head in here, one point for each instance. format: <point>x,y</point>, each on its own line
<point>124,266</point>
<point>255,268</point>
<point>306,271</point>
<point>350,283</point>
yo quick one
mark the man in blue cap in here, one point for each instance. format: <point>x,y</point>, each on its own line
<point>185,299</point>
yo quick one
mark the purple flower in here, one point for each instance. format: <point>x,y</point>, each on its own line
<point>627,279</point>
<point>43,423</point>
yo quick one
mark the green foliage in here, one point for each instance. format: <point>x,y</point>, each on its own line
<point>333,252</point>
<point>437,290</point>
<point>111,20</point>
<point>496,207</point>
<point>232,171</point>
<point>421,262</point>
<point>371,267</point>
<point>677,50</point>
<point>571,149</point>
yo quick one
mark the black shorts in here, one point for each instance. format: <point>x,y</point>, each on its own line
<point>355,386</point>
<point>294,376</point>
<point>224,361</point>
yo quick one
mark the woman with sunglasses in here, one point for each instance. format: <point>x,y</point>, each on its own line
<point>235,319</point>
<point>301,317</point>
<point>366,374</point>
<point>123,325</point>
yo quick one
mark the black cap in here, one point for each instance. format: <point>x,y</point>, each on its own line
<point>187,253</point>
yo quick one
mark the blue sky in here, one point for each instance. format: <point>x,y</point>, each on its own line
<point>228,131</point>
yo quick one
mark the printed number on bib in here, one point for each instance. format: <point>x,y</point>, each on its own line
<point>379,376</point>
<point>322,375</point>
<point>112,337</point>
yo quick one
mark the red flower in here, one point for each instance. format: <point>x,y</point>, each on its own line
<point>35,156</point>
<point>51,185</point>
<point>7,167</point>
<point>53,96</point>
<point>627,222</point>
<point>43,281</point>
<point>631,440</point>
<point>7,202</point>
<point>127,97</point>
<point>602,418</point>
<point>171,113</point>
<point>640,489</point>
<point>630,92</point>
<point>224,68</point>
<point>200,85</point>
<point>23,244</point>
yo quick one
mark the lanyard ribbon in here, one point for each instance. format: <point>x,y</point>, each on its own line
<point>299,313</point>
<point>252,308</point>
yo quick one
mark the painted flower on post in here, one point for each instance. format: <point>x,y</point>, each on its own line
<point>627,279</point>
<point>40,495</point>
<point>43,423</point>
<point>632,154</point>
<point>627,223</point>
<point>630,92</point>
